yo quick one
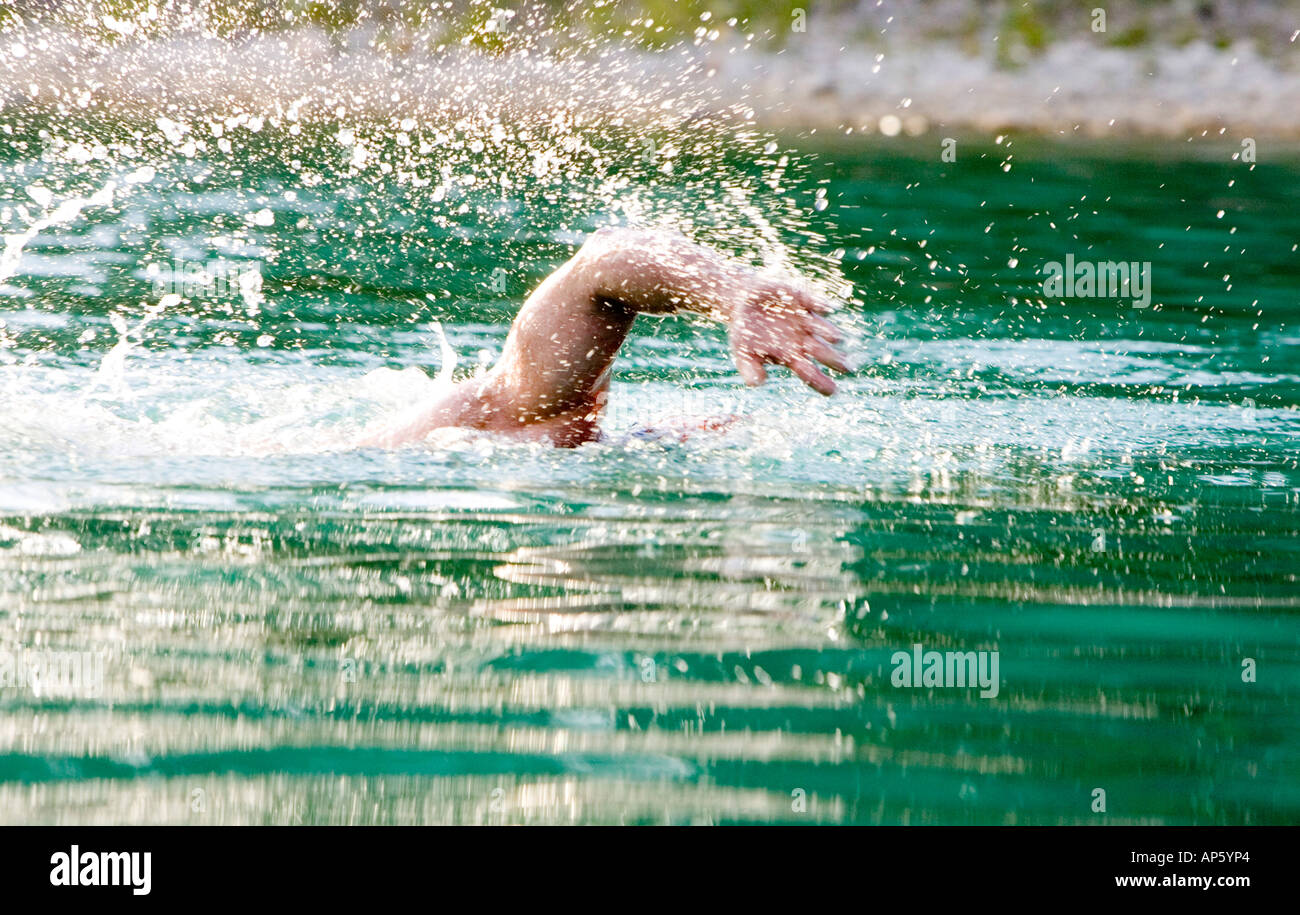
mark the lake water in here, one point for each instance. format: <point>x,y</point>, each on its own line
<point>286,630</point>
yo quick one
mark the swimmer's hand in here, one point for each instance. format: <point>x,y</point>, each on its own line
<point>778,323</point>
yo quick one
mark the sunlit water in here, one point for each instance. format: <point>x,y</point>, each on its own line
<point>649,630</point>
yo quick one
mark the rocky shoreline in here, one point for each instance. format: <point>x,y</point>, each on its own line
<point>908,86</point>
<point>1072,88</point>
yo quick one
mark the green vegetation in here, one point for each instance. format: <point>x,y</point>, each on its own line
<point>1134,37</point>
<point>1023,31</point>
<point>652,22</point>
<point>1021,27</point>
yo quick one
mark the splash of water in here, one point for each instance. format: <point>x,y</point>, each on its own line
<point>65,212</point>
<point>523,129</point>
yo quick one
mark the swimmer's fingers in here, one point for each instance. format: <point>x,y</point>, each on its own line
<point>829,356</point>
<point>812,376</point>
<point>793,299</point>
<point>825,329</point>
<point>753,372</point>
<point>750,367</point>
<point>816,304</point>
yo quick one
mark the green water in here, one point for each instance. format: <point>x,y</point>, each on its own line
<point>292,631</point>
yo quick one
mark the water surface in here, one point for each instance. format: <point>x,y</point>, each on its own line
<point>295,631</point>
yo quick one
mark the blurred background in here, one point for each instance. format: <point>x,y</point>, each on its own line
<point>237,233</point>
<point>1166,67</point>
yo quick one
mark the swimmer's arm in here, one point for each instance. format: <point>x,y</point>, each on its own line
<point>557,359</point>
<point>566,336</point>
<point>661,273</point>
<point>770,320</point>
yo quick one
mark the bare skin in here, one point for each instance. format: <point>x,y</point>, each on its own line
<point>552,380</point>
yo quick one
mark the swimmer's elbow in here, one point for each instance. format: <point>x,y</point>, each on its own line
<point>626,264</point>
<point>613,236</point>
<point>605,244</point>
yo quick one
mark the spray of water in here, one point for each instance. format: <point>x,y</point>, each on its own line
<point>421,153</point>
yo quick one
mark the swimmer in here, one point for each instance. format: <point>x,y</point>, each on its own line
<point>552,379</point>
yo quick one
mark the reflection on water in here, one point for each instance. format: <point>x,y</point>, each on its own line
<point>654,631</point>
<point>691,657</point>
